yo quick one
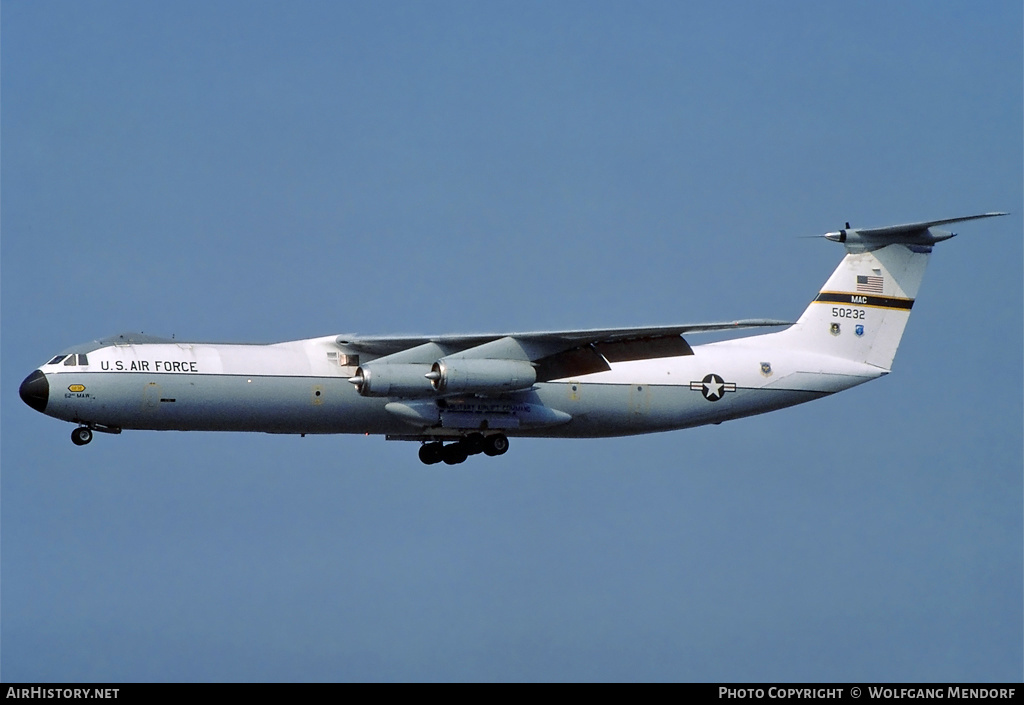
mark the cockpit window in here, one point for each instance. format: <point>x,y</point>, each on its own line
<point>70,360</point>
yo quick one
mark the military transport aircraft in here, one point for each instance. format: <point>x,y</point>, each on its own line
<point>460,395</point>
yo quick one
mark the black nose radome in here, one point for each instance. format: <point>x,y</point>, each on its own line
<point>35,391</point>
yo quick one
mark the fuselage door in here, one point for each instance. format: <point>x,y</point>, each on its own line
<point>640,399</point>
<point>151,397</point>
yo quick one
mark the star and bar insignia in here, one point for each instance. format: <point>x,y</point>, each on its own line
<point>713,387</point>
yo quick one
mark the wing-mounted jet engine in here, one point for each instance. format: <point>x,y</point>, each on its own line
<point>472,376</point>
<point>395,379</point>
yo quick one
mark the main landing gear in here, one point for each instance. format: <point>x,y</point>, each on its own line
<point>457,452</point>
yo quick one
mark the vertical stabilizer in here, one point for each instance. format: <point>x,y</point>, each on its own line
<point>861,312</point>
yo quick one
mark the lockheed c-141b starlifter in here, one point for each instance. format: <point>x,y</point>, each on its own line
<point>459,395</point>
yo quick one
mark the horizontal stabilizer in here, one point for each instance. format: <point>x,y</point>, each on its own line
<point>923,234</point>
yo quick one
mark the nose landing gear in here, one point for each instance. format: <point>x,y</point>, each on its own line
<point>81,435</point>
<point>457,452</point>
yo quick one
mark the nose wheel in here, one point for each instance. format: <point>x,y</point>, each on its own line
<point>81,435</point>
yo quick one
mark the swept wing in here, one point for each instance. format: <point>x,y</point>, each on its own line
<point>554,354</point>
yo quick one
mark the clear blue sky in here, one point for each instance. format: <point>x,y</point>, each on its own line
<point>265,171</point>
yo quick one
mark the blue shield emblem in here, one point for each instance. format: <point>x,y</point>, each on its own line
<point>859,330</point>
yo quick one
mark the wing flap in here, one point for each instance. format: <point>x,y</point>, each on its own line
<point>647,348</point>
<point>575,362</point>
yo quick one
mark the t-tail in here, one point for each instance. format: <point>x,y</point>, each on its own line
<point>861,312</point>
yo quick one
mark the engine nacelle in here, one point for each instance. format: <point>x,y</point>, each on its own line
<point>393,380</point>
<point>477,376</point>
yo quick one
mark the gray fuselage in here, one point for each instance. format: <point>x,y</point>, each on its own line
<point>299,387</point>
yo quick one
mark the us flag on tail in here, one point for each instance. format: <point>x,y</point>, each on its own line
<point>869,285</point>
